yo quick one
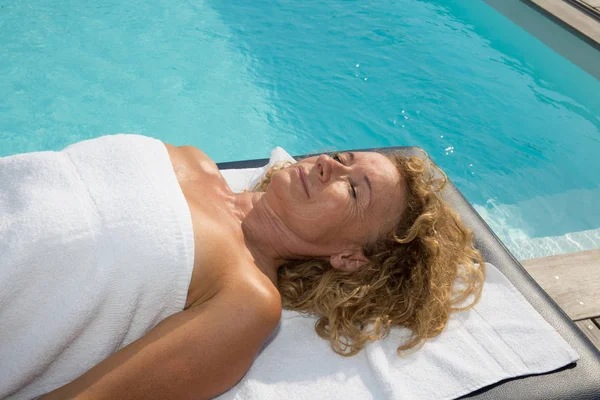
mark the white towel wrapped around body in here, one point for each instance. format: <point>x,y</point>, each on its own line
<point>96,248</point>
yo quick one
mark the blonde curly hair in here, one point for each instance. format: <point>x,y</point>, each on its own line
<point>416,276</point>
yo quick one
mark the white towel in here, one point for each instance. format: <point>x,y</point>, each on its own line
<point>96,248</point>
<point>501,337</point>
<point>247,178</point>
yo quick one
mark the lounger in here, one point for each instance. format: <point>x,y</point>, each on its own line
<point>580,380</point>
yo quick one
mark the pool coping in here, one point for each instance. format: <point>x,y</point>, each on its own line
<point>571,15</point>
<point>590,7</point>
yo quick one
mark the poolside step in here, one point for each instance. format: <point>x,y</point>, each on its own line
<point>572,280</point>
<point>524,226</point>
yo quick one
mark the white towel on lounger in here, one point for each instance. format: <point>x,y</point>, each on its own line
<point>501,337</point>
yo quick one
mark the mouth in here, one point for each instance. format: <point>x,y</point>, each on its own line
<point>303,180</point>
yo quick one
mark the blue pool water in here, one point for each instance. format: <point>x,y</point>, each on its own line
<point>514,125</point>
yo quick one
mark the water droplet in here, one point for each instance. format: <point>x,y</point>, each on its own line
<point>556,277</point>
<point>446,153</point>
<point>470,165</point>
<point>442,136</point>
<point>403,126</point>
<point>590,326</point>
<point>581,302</point>
<point>402,111</point>
<point>357,65</point>
<point>394,122</point>
<point>366,79</point>
<point>405,117</point>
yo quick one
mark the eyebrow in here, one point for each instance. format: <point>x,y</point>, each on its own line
<point>367,180</point>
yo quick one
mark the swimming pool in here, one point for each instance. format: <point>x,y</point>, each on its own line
<point>514,125</point>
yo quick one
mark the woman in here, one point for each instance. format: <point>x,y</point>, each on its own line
<point>360,239</point>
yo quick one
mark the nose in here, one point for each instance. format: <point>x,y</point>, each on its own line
<point>324,167</point>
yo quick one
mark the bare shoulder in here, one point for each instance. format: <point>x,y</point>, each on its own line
<point>251,294</point>
<point>192,164</point>
<point>188,152</point>
<point>185,148</point>
<point>260,290</point>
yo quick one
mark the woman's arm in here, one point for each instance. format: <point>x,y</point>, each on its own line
<point>197,354</point>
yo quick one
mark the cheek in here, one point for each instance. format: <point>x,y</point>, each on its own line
<point>335,205</point>
<point>284,199</point>
<point>328,206</point>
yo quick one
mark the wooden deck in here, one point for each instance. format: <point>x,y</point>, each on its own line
<point>573,282</point>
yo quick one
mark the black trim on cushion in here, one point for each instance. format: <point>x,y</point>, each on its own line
<point>576,381</point>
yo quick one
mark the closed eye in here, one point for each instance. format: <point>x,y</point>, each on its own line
<point>351,187</point>
<point>336,156</point>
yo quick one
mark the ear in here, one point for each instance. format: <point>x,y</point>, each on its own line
<point>348,260</point>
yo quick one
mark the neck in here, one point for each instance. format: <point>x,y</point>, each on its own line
<point>267,238</point>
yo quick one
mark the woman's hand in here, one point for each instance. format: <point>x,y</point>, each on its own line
<point>198,353</point>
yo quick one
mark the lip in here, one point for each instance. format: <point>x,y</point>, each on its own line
<point>303,180</point>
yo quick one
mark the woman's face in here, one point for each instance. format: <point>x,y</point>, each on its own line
<point>338,202</point>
